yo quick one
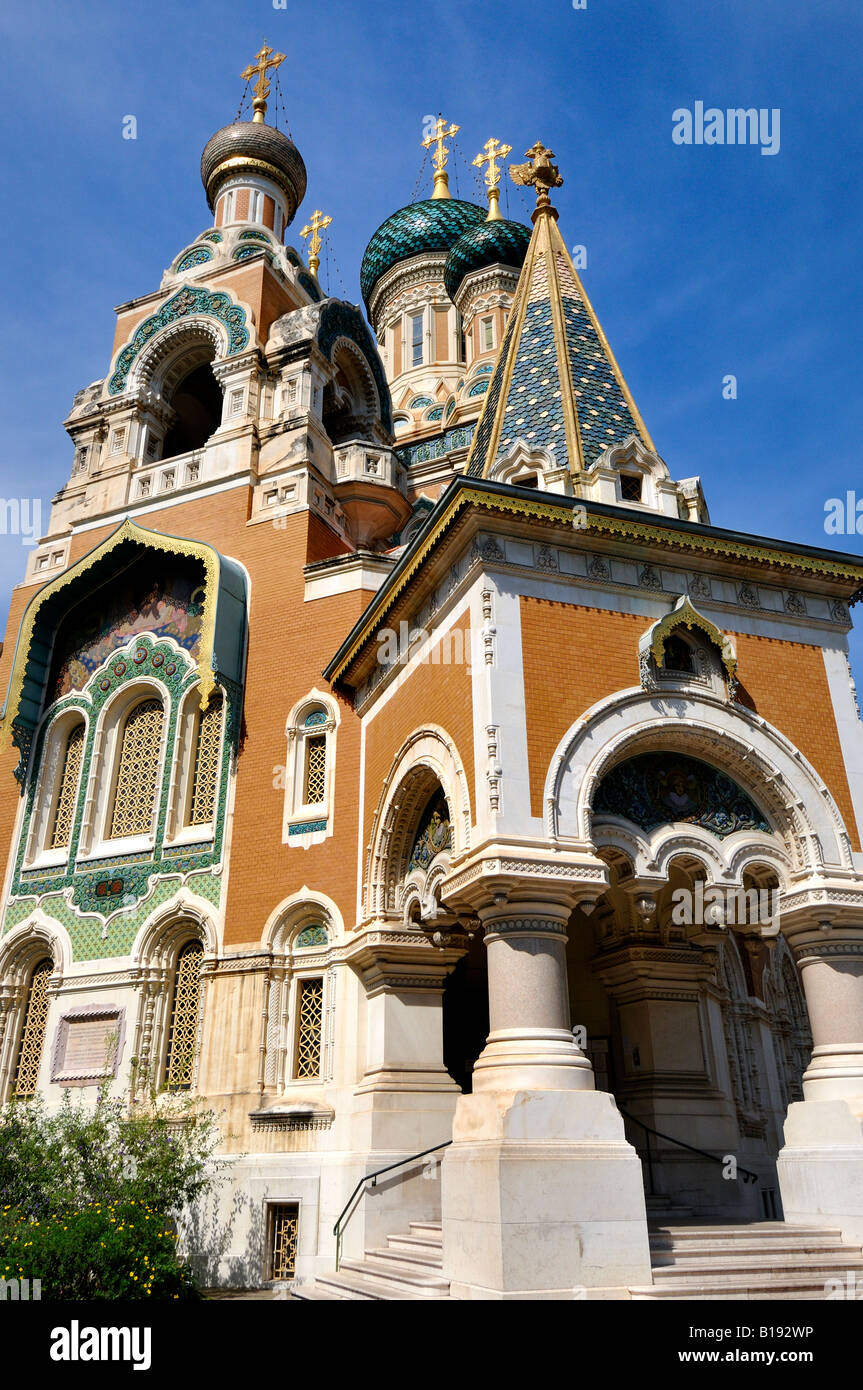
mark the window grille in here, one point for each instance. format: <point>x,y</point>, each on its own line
<point>185,1007</point>
<point>63,816</point>
<point>284,1230</point>
<point>630,487</point>
<point>138,771</point>
<point>310,1013</point>
<point>205,777</point>
<point>33,1031</point>
<point>316,769</point>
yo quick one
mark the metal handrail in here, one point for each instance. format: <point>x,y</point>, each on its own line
<point>401,1163</point>
<point>748,1175</point>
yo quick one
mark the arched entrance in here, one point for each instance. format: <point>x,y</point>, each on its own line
<point>686,990</point>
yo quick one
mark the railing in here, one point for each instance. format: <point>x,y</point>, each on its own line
<point>748,1175</point>
<point>373,1178</point>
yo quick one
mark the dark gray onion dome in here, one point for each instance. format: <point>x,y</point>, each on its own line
<point>491,243</point>
<point>254,148</point>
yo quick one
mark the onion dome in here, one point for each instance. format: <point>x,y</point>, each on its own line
<point>434,224</point>
<point>251,147</point>
<point>492,243</point>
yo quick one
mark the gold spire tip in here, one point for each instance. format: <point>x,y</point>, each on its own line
<point>491,152</point>
<point>438,136</point>
<point>266,60</point>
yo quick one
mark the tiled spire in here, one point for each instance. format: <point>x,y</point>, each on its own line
<point>556,383</point>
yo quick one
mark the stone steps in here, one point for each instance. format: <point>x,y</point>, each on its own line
<point>767,1260</point>
<point>409,1267</point>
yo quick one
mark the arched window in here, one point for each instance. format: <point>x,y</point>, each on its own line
<point>64,811</point>
<point>205,771</point>
<point>309,771</point>
<point>181,1052</point>
<point>137,771</point>
<point>32,1036</point>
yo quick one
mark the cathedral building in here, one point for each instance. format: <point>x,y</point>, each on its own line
<point>398,759</point>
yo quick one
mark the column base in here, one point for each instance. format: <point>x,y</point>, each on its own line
<point>820,1167</point>
<point>542,1197</point>
<point>532,1059</point>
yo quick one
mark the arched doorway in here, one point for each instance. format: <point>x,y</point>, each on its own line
<point>687,990</point>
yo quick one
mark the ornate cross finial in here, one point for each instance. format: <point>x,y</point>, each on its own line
<point>437,137</point>
<point>265,59</point>
<point>540,172</point>
<point>492,152</point>
<point>316,224</point>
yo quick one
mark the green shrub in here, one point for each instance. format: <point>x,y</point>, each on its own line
<point>90,1195</point>
<point>96,1252</point>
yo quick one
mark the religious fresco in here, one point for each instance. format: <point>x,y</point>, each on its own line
<point>660,789</point>
<point>164,603</point>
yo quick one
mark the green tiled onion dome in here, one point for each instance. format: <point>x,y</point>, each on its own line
<point>253,148</point>
<point>431,225</point>
<point>492,243</point>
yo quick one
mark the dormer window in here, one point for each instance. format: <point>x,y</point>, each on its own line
<point>630,487</point>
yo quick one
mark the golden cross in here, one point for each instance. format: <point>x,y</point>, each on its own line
<point>492,152</point>
<point>316,224</point>
<point>437,137</point>
<point>265,59</point>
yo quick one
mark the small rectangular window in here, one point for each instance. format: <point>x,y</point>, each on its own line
<point>236,406</point>
<point>117,441</point>
<point>630,487</point>
<point>416,340</point>
<point>42,562</point>
<point>284,1227</point>
<point>487,335</point>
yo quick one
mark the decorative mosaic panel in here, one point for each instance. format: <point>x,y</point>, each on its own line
<point>192,258</point>
<point>436,448</point>
<point>169,603</point>
<point>212,303</point>
<point>312,936</point>
<point>661,789</point>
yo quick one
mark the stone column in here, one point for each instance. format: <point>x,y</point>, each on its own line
<point>405,1099</point>
<point>530,1045</point>
<point>542,1196</point>
<point>821,1164</point>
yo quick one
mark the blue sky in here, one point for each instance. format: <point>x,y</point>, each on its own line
<point>703,261</point>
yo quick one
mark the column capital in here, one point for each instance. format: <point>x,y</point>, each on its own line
<point>524,879</point>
